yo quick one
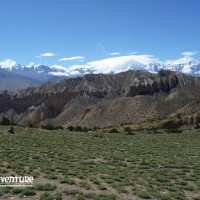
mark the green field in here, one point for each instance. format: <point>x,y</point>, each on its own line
<point>73,165</point>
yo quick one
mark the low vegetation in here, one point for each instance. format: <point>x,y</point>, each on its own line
<point>152,164</point>
<point>5,121</point>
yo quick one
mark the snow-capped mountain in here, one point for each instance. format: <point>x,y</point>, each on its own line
<point>9,64</point>
<point>38,72</point>
<point>113,65</point>
<point>149,63</point>
<point>185,65</point>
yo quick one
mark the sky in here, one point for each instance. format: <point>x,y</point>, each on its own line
<point>70,32</point>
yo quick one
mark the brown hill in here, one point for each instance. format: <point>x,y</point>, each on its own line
<point>104,100</point>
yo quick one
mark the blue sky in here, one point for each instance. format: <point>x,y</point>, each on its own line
<point>46,31</point>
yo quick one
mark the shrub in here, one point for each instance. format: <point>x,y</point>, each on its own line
<point>11,130</point>
<point>5,121</point>
<point>197,126</point>
<point>178,116</point>
<point>174,130</point>
<point>58,196</point>
<point>51,176</point>
<point>128,130</point>
<point>78,128</point>
<point>171,123</point>
<point>17,190</point>
<point>142,194</point>
<point>67,180</point>
<point>95,128</point>
<point>45,187</point>
<point>113,130</point>
<point>85,129</point>
<point>52,127</point>
<point>102,187</point>
<point>47,196</point>
<point>70,128</point>
<point>28,192</point>
<point>85,184</point>
<point>59,127</point>
<point>72,192</point>
<point>30,125</point>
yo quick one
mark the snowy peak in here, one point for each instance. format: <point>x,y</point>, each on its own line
<point>186,65</point>
<point>182,61</point>
<point>154,67</point>
<point>9,64</point>
<point>111,65</point>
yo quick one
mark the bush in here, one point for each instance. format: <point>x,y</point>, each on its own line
<point>46,196</point>
<point>30,125</point>
<point>129,131</point>
<point>70,128</point>
<point>85,129</point>
<point>28,192</point>
<point>197,126</point>
<point>45,187</point>
<point>11,130</point>
<point>58,196</point>
<point>171,123</point>
<point>67,180</point>
<point>52,127</point>
<point>59,127</point>
<point>5,121</point>
<point>95,128</point>
<point>178,116</point>
<point>113,130</point>
<point>17,190</point>
<point>174,130</point>
<point>78,128</point>
<point>85,184</point>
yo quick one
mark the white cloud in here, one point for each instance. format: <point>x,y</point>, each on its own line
<point>46,55</point>
<point>80,58</point>
<point>143,59</point>
<point>60,73</point>
<point>58,67</point>
<point>117,64</point>
<point>31,64</point>
<point>114,54</point>
<point>189,53</point>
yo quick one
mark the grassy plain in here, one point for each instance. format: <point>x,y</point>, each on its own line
<point>76,165</point>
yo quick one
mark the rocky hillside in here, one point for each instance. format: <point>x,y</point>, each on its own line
<point>103,100</point>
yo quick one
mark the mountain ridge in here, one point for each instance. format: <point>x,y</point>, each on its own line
<point>44,73</point>
<point>102,99</point>
<point>186,65</point>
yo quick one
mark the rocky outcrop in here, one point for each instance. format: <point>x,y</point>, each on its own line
<point>164,82</point>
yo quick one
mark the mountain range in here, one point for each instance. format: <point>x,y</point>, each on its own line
<point>20,76</point>
<point>104,100</point>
